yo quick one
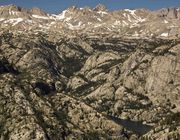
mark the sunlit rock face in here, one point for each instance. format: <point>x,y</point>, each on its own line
<point>89,73</point>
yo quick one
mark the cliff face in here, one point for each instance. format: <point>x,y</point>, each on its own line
<point>76,84</point>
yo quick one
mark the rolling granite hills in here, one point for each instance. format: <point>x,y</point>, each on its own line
<point>89,73</point>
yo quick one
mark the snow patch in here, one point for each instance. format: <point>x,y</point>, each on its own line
<point>1,19</point>
<point>18,20</point>
<point>142,19</point>
<point>165,21</point>
<point>28,21</point>
<point>10,12</point>
<point>97,25</point>
<point>14,21</point>
<point>112,26</point>
<point>52,23</point>
<point>68,19</point>
<point>130,11</point>
<point>102,13</point>
<point>14,13</point>
<point>164,34</point>
<point>62,15</point>
<point>40,17</point>
<point>124,14</point>
<point>117,22</point>
<point>124,22</point>
<point>99,19</point>
<point>129,18</point>
<point>89,23</point>
<point>72,27</point>
<point>108,28</point>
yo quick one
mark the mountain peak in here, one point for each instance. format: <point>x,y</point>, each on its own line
<point>73,8</point>
<point>100,7</point>
<point>12,7</point>
<point>172,13</point>
<point>38,11</point>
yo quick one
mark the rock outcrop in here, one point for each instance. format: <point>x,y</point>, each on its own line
<point>62,82</point>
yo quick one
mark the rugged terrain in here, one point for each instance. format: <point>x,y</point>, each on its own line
<point>89,73</point>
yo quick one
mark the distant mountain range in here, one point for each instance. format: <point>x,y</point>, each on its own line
<point>137,23</point>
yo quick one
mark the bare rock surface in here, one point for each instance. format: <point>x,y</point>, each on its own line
<point>67,76</point>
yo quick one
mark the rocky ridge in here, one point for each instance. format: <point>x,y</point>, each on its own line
<point>140,23</point>
<point>65,78</point>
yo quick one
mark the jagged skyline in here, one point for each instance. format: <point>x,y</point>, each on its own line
<point>89,73</point>
<point>55,6</point>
